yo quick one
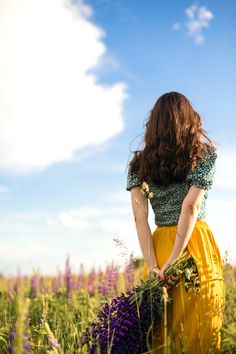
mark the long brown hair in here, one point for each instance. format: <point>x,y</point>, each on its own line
<point>172,141</point>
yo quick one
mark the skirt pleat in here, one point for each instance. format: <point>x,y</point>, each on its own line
<point>193,320</point>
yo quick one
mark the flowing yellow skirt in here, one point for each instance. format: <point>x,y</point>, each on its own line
<point>193,320</point>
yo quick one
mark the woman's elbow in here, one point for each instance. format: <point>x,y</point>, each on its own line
<point>140,217</point>
<point>191,208</point>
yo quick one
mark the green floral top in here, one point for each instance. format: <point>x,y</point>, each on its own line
<point>167,201</point>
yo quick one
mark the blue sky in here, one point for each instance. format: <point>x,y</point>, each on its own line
<point>74,100</point>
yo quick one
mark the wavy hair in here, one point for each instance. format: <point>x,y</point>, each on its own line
<point>172,141</point>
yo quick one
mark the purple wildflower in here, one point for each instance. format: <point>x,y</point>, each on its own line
<point>13,337</point>
<point>33,287</point>
<point>54,344</point>
<point>90,286</point>
<point>102,288</point>
<point>81,277</point>
<point>55,286</point>
<point>18,280</point>
<point>10,288</point>
<point>101,283</point>
<point>126,324</point>
<point>42,287</point>
<point>68,279</point>
<point>129,276</point>
<point>111,275</point>
<point>91,282</point>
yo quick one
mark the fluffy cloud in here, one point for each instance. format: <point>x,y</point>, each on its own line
<point>85,233</point>
<point>51,103</point>
<point>226,168</point>
<point>198,19</point>
<point>4,193</point>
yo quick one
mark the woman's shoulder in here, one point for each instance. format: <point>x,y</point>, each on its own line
<point>209,158</point>
<point>211,150</point>
<point>203,174</point>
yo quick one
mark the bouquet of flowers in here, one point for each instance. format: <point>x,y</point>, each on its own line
<point>126,323</point>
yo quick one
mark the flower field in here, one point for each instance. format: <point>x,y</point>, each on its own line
<point>48,314</point>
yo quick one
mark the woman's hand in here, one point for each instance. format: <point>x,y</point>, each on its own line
<point>163,269</point>
<point>155,270</point>
<point>171,279</point>
<point>159,272</point>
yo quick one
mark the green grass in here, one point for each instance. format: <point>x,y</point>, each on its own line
<point>52,322</point>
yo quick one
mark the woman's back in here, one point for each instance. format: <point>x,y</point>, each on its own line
<point>166,201</point>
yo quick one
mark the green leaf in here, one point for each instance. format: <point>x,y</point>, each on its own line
<point>187,273</point>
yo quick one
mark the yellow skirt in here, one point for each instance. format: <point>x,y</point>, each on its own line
<point>193,320</point>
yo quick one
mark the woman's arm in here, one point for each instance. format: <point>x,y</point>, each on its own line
<point>187,219</point>
<point>139,203</point>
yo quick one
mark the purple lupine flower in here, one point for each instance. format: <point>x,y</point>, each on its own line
<point>90,287</point>
<point>33,286</point>
<point>42,287</point>
<point>55,286</point>
<point>101,285</point>
<point>57,283</point>
<point>54,344</point>
<point>10,288</point>
<point>116,280</point>
<point>14,333</point>
<point>123,320</point>
<point>91,281</point>
<point>111,279</point>
<point>18,280</point>
<point>60,279</point>
<point>81,277</point>
<point>92,274</point>
<point>27,345</point>
<point>129,276</point>
<point>26,342</point>
<point>68,279</point>
<point>12,337</point>
<point>102,288</point>
<point>127,323</point>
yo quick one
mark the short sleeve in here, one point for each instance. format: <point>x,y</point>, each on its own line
<point>132,180</point>
<point>203,174</point>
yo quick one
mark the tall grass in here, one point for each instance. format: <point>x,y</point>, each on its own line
<point>48,314</point>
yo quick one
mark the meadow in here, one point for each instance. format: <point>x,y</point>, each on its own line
<point>40,314</point>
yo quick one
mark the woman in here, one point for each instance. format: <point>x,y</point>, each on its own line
<point>178,166</point>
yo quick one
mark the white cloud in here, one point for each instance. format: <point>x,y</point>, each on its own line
<point>190,11</point>
<point>69,222</point>
<point>198,19</point>
<point>4,193</point>
<point>176,26</point>
<point>85,233</point>
<point>220,220</point>
<point>87,220</point>
<point>28,216</point>
<point>226,168</point>
<point>51,104</point>
<point>4,189</point>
